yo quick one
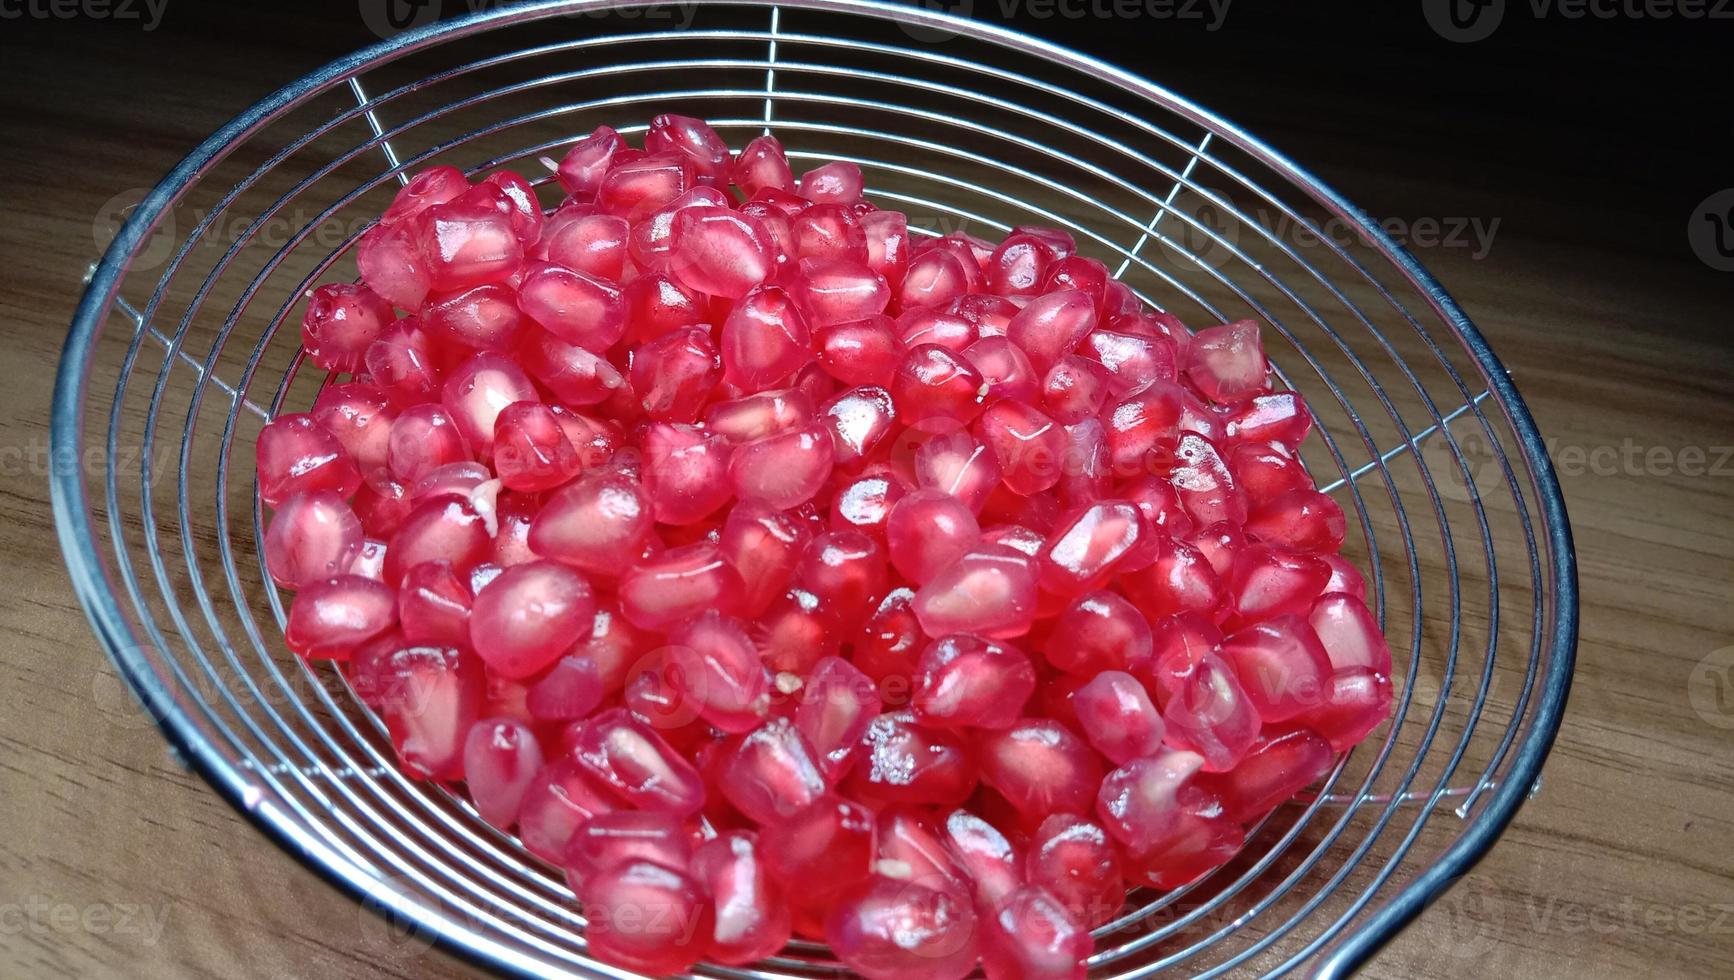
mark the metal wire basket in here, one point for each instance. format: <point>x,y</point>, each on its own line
<point>180,351</point>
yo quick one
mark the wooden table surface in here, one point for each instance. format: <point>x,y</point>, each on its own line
<point>116,862</point>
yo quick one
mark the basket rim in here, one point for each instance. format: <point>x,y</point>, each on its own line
<point>96,593</point>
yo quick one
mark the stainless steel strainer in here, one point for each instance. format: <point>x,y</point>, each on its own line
<point>184,344</point>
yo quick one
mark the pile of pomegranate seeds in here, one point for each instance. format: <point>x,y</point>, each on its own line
<point>777,572</point>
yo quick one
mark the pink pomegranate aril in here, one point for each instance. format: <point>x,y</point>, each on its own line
<point>469,240</point>
<point>964,681</point>
<point>1040,766</point>
<point>1118,718</point>
<point>751,915</point>
<point>1086,471</point>
<point>763,545</point>
<point>1204,841</point>
<point>761,164</point>
<point>756,416</point>
<point>528,615</point>
<point>1074,860</point>
<point>561,798</point>
<point>433,605</point>
<point>1084,550</point>
<point>837,290</point>
<point>632,760</point>
<point>1204,483</point>
<point>719,251</point>
<point>1141,426</point>
<point>821,849</point>
<point>1139,803</point>
<point>478,390</point>
<point>783,470</point>
<point>578,307</point>
<point>990,590</point>
<point>1355,701</point>
<point>694,139</point>
<point>715,666</point>
<point>1281,665</point>
<point>958,464</point>
<point>927,531</point>
<point>990,862</point>
<point>640,188</point>
<point>674,374</point>
<point>1099,631</point>
<point>531,451</point>
<point>924,326</point>
<point>1032,935</point>
<point>864,504</point>
<point>846,570</point>
<point>858,420</point>
<point>828,231</point>
<point>1277,767</point>
<point>423,438</point>
<point>295,454</point>
<point>934,383</point>
<point>765,339</point>
<point>1299,520</point>
<point>1074,389</point>
<point>389,259</point>
<point>441,528</point>
<point>1052,326</point>
<point>618,837</point>
<point>1178,580</point>
<point>1212,715</point>
<point>933,279</point>
<point>832,183</point>
<point>331,617</point>
<point>501,758</point>
<point>904,762</point>
<point>888,645</point>
<point>859,352</point>
<point>644,916</point>
<point>431,698</point>
<point>686,472</point>
<point>342,319</point>
<point>1226,363</point>
<point>837,703</point>
<point>678,584</point>
<point>771,773</point>
<point>1349,634</point>
<point>311,537</point>
<point>568,692</point>
<point>584,165</point>
<point>1265,583</point>
<point>889,929</point>
<point>1028,445</point>
<point>1279,418</point>
<point>887,235</point>
<point>599,524</point>
<point>360,415</point>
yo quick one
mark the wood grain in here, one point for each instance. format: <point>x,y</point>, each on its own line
<point>116,862</point>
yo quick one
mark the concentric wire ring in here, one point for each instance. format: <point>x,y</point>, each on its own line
<point>966,127</point>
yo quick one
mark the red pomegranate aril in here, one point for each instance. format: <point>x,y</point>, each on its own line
<point>311,537</point>
<point>433,605</point>
<point>574,375</point>
<point>1005,369</point>
<point>342,319</point>
<point>568,692</point>
<point>1118,718</point>
<point>964,681</point>
<point>295,455</point>
<point>718,251</point>
<point>1179,642</point>
<point>1280,418</point>
<point>640,188</point>
<point>1033,936</point>
<point>469,240</point>
<point>678,584</point>
<point>1266,472</point>
<point>1052,326</point>
<point>715,666</point>
<point>1142,426</point>
<point>441,528</point>
<point>525,211</point>
<point>864,504</point>
<point>783,470</point>
<point>423,438</point>
<point>934,383</point>
<point>431,698</point>
<point>858,419</point>
<point>859,352</point>
<point>828,231</point>
<point>888,645</point>
<point>686,472</point>
<point>656,304</point>
<point>1277,767</point>
<point>1099,631</point>
<point>479,318</point>
<point>1041,767</point>
<point>1265,583</point>
<point>927,531</point>
<point>758,415</point>
<point>528,615</point>
<point>390,261</point>
<point>846,570</point>
<point>477,391</point>
<point>1139,803</point>
<point>599,524</point>
<point>531,451</point>
<point>765,339</point>
<point>1356,700</point>
<point>586,242</point>
<point>932,279</point>
<point>837,703</point>
<point>822,849</point>
<point>331,617</point>
<point>561,798</point>
<point>889,929</point>
<point>1220,544</point>
<point>763,545</point>
<point>1178,580</point>
<point>990,862</point>
<point>925,326</point>
<point>1281,665</point>
<point>904,762</point>
<point>1349,634</point>
<point>770,774</point>
<point>1160,505</point>
<point>1345,577</point>
<point>1211,714</point>
<point>959,464</point>
<point>435,185</point>
<point>1028,445</point>
<point>1086,471</point>
<point>577,307</point>
<point>1074,389</point>
<point>887,235</point>
<point>1226,363</point>
<point>1084,550</point>
<point>632,760</point>
<point>990,590</point>
<point>501,759</point>
<point>761,164</point>
<point>1131,360</point>
<point>360,415</point>
<point>644,916</point>
<point>1299,520</point>
<point>693,139</point>
<point>1077,272</point>
<point>584,165</point>
<point>1206,487</point>
<point>795,631</point>
<point>837,290</point>
<point>460,479</point>
<point>674,374</point>
<point>619,837</point>
<point>1019,265</point>
<point>401,361</point>
<point>836,182</point>
<point>1076,863</point>
<point>751,916</point>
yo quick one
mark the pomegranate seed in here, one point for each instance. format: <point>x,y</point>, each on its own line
<point>1275,769</point>
<point>629,758</point>
<point>529,615</point>
<point>987,859</point>
<point>846,570</point>
<point>933,279</point>
<point>889,643</point>
<point>1139,803</point>
<point>1281,665</point>
<point>1226,363</point>
<point>1349,634</point>
<point>644,916</point>
<point>763,414</point>
<point>752,918</point>
<point>638,189</point>
<point>678,584</point>
<point>1180,579</point>
<point>360,416</point>
<point>1028,445</point>
<point>531,451</point>
<point>828,231</point>
<point>423,438</point>
<point>1280,419</point>
<point>765,339</point>
<point>1299,520</point>
<point>619,837</point>
<point>584,165</point>
<point>927,531</point>
<point>561,798</point>
<point>1074,860</point>
<point>966,681</point>
<point>469,240</point>
<point>858,420</point>
<point>1040,767</point>
<point>433,605</point>
<point>958,464</point>
<point>685,472</point>
<point>763,545</point>
<point>590,244</point>
<point>599,524</point>
<point>1356,700</point>
<point>401,361</point>
<point>1140,428</point>
<point>783,470</point>
<point>887,235</point>
<point>822,849</point>
<point>715,666</point>
<point>501,759</point>
<point>296,455</point>
<point>312,537</point>
<point>1118,718</point>
<point>330,618</point>
<point>1084,475</point>
<point>568,692</point>
<point>719,251</point>
<point>934,383</point>
<point>906,763</point>
<point>460,479</point>
<point>1220,544</point>
<point>990,590</point>
<point>770,774</point>
<point>1074,389</point>
<point>342,319</point>
<point>761,164</point>
<point>1265,583</point>
<point>1033,936</point>
<point>431,698</point>
<point>1266,472</point>
<point>478,391</point>
<point>888,929</point>
<point>859,352</point>
<point>1345,578</point>
<point>1212,715</point>
<point>693,139</point>
<point>1099,631</point>
<point>1005,369</point>
<point>1019,265</point>
<point>1204,841</point>
<point>865,504</point>
<point>832,183</point>
<point>656,304</point>
<point>390,261</point>
<point>673,375</point>
<point>442,528</point>
<point>1084,550</point>
<point>1052,326</point>
<point>577,307</point>
<point>837,704</point>
<point>924,326</point>
<point>838,290</point>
